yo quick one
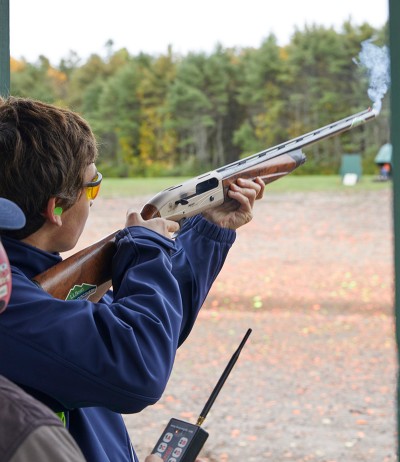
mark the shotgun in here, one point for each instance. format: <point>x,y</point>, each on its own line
<point>87,274</point>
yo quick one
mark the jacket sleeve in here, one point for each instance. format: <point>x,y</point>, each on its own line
<point>80,353</point>
<point>202,248</point>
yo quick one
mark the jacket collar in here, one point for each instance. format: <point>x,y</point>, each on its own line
<point>30,260</point>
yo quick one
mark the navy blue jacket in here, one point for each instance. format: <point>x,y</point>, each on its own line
<point>96,360</point>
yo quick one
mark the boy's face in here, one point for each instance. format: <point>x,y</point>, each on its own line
<point>74,219</point>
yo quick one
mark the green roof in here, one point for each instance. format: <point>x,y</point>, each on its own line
<point>384,155</point>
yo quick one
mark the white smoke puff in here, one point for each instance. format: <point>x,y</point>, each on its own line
<point>376,61</point>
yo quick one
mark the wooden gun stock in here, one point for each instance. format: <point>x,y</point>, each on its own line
<point>86,274</point>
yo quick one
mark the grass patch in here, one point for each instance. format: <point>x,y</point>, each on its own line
<point>130,187</point>
<point>304,183</point>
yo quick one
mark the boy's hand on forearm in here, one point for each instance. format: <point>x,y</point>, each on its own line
<point>238,212</point>
<point>159,225</point>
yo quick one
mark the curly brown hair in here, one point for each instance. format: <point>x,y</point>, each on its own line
<point>44,153</point>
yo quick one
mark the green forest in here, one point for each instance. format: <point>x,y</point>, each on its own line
<point>183,115</point>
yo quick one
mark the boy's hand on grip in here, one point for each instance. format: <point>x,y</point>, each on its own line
<point>239,211</point>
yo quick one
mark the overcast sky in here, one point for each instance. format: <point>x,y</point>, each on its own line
<point>53,28</point>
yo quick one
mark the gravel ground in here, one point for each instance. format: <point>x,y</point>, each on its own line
<point>312,275</point>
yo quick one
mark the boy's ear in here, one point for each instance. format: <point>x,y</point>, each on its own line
<point>53,212</point>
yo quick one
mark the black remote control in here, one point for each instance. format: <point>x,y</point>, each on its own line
<point>182,441</point>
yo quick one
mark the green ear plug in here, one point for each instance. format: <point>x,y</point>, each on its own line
<point>58,211</point>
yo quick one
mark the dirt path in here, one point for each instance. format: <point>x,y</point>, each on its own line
<point>312,276</point>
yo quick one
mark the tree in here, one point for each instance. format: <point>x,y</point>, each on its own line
<point>190,106</point>
<point>82,77</point>
<point>39,81</point>
<point>183,115</point>
<point>261,95</point>
<point>117,119</point>
<point>157,139</point>
<point>326,86</point>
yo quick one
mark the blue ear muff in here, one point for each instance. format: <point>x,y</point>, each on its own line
<point>58,211</point>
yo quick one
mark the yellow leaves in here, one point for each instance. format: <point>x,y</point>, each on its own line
<point>146,141</point>
<point>283,53</point>
<point>51,72</point>
<point>125,147</point>
<point>57,75</point>
<point>155,144</point>
<point>17,66</point>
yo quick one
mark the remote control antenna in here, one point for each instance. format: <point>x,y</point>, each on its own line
<point>221,381</point>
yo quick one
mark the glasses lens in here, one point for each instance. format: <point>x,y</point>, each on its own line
<point>92,192</point>
<point>93,188</point>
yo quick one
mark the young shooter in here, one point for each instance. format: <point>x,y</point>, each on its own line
<point>93,361</point>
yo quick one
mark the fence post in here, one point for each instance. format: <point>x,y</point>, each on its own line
<point>5,47</point>
<point>394,35</point>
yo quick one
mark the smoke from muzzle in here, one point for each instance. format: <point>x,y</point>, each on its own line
<point>376,62</point>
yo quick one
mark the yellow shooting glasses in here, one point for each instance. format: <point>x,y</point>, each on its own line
<point>93,187</point>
